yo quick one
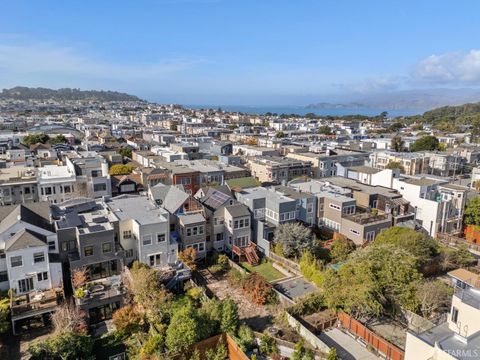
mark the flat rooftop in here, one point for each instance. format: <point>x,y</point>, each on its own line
<point>138,208</point>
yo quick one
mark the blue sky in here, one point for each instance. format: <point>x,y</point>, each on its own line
<point>240,52</point>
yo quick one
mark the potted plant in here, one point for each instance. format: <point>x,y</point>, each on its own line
<point>79,293</point>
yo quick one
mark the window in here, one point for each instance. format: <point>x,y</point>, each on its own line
<point>67,189</point>
<point>99,187</point>
<point>25,285</point>
<point>2,254</point>
<point>51,245</point>
<point>48,191</point>
<point>370,236</point>
<point>194,230</point>
<point>335,207</point>
<point>129,253</point>
<point>235,224</point>
<point>26,191</point>
<point>96,173</point>
<point>147,240</point>
<point>160,237</point>
<point>88,250</point>
<point>127,234</point>
<point>348,210</point>
<point>3,276</point>
<point>219,237</point>
<point>16,261</point>
<point>189,232</point>
<point>39,257</point>
<point>454,315</point>
<point>42,276</point>
<point>155,260</point>
<point>353,231</point>
<point>107,247</point>
<point>309,208</point>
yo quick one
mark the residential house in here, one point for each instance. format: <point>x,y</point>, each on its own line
<point>278,170</point>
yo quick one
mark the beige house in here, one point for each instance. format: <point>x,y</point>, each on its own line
<point>459,336</point>
<point>277,170</point>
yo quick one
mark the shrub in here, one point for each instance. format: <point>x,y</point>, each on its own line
<point>311,268</point>
<point>258,289</point>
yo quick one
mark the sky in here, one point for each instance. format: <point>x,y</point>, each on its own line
<point>249,52</point>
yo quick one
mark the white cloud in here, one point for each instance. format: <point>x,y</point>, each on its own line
<point>48,60</point>
<point>455,68</point>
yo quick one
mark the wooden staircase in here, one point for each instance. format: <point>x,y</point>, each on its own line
<point>250,252</point>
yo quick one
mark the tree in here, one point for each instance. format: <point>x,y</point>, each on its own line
<point>59,139</point>
<point>246,338</point>
<point>128,319</point>
<point>174,127</point>
<point>257,288</point>
<point>472,212</point>
<point>425,143</point>
<point>220,352</point>
<point>280,135</point>
<point>79,277</point>
<point>126,152</point>
<point>433,297</point>
<point>63,346</point>
<point>397,144</point>
<point>4,315</point>
<point>324,130</point>
<point>395,165</point>
<point>453,258</point>
<point>310,268</point>
<point>372,281</point>
<point>149,293</point>
<point>395,127</point>
<point>229,321</point>
<point>188,257</point>
<point>268,345</point>
<point>421,246</point>
<point>33,139</point>
<point>183,330</point>
<point>341,248</point>
<point>68,318</point>
<point>120,169</point>
<point>332,354</point>
<point>294,238</point>
<point>302,353</point>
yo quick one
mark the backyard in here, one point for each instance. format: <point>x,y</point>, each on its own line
<point>265,269</point>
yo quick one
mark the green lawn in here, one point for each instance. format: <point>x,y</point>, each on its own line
<point>265,269</point>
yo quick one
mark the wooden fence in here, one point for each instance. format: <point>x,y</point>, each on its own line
<point>390,351</point>
<point>289,264</point>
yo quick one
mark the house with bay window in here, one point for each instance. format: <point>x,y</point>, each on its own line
<point>143,230</point>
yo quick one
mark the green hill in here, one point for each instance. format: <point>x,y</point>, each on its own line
<point>26,93</point>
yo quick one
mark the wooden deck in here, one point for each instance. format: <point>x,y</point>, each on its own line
<point>26,306</point>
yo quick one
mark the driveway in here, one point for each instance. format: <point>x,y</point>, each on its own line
<point>347,347</point>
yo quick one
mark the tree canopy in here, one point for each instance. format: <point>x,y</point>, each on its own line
<point>120,169</point>
<point>426,143</point>
<point>293,238</point>
<point>472,212</point>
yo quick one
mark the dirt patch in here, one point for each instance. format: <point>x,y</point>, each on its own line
<point>256,316</point>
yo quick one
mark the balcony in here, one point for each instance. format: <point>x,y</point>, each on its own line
<point>468,296</point>
<point>99,291</point>
<point>35,303</point>
<point>366,218</point>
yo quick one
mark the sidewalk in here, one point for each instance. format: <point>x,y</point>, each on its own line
<point>347,347</point>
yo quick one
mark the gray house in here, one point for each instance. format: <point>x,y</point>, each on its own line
<point>88,243</point>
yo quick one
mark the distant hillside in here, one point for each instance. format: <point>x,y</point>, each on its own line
<point>26,93</point>
<point>450,118</point>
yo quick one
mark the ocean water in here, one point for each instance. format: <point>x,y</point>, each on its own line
<point>300,110</point>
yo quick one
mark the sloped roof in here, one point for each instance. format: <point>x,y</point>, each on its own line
<point>172,197</point>
<point>237,210</point>
<point>24,239</point>
<point>37,214</point>
<point>215,197</point>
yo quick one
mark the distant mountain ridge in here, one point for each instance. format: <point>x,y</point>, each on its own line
<point>424,100</point>
<point>27,93</point>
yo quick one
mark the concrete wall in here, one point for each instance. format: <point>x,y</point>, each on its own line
<point>311,338</point>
